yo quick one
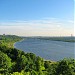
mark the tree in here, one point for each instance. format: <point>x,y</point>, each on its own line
<point>66,67</point>
<point>21,63</point>
<point>39,64</point>
<point>5,62</point>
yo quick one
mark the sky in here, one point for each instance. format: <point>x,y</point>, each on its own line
<point>37,17</point>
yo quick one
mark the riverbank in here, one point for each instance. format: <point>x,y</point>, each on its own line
<point>9,40</point>
<point>17,42</point>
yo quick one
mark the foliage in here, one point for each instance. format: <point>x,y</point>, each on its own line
<point>66,67</point>
<point>9,40</point>
<point>17,62</point>
<point>5,62</point>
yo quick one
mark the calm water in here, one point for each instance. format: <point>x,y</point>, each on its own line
<point>49,50</point>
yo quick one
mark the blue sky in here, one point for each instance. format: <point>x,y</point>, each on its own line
<point>37,17</point>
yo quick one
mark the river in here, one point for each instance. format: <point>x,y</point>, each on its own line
<point>47,49</point>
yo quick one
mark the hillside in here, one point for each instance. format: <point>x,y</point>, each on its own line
<point>17,62</point>
<point>9,40</point>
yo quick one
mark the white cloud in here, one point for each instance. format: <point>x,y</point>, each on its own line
<point>44,27</point>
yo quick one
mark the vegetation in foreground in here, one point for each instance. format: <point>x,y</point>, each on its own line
<point>17,62</point>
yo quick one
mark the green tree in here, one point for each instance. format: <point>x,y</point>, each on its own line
<point>5,62</point>
<point>66,67</point>
<point>21,62</point>
<point>39,64</point>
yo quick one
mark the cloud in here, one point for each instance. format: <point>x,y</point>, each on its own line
<point>43,27</point>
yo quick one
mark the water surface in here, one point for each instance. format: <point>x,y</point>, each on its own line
<point>49,50</point>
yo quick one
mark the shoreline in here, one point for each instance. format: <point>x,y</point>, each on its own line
<point>16,42</point>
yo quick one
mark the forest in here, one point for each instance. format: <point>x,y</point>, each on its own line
<point>17,62</point>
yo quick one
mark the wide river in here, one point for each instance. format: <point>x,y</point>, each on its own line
<point>47,49</point>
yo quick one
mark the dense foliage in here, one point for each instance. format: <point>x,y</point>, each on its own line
<point>17,62</point>
<point>9,40</point>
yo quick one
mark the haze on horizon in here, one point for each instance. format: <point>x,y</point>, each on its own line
<point>37,17</point>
